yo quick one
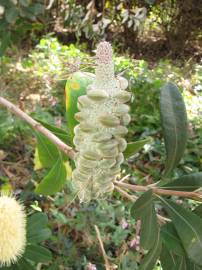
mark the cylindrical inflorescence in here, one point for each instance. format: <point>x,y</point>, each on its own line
<point>99,137</point>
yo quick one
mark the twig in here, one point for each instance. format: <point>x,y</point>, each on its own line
<point>124,178</point>
<point>107,265</point>
<point>159,191</point>
<point>125,194</point>
<point>133,198</point>
<point>37,126</point>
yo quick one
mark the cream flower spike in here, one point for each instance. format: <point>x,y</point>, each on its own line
<point>99,140</point>
<point>12,230</point>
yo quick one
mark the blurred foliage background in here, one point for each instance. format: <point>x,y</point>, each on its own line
<point>41,44</point>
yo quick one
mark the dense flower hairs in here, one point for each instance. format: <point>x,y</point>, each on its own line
<point>98,139</point>
<point>12,230</point>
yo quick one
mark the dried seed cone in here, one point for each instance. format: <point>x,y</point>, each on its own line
<point>12,230</point>
<point>99,136</point>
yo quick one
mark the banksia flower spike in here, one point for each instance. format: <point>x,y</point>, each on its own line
<point>99,140</point>
<point>12,230</point>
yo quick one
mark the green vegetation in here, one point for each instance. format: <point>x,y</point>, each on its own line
<point>44,48</point>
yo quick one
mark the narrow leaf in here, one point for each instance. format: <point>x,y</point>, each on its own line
<point>152,256</point>
<point>149,228</point>
<point>171,239</point>
<point>142,203</point>
<point>174,122</point>
<point>143,209</point>
<point>135,147</point>
<point>189,182</point>
<point>189,227</point>
<point>168,259</point>
<point>54,180</point>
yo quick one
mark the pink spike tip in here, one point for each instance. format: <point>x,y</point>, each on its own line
<point>104,53</point>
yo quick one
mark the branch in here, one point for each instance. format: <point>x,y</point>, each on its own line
<point>107,265</point>
<point>133,198</point>
<point>37,126</point>
<point>167,192</point>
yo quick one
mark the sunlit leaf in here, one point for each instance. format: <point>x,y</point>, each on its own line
<point>54,180</point>
<point>135,147</point>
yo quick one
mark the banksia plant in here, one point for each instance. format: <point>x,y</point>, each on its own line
<point>99,137</point>
<point>12,230</point>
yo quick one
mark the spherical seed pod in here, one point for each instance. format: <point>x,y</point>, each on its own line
<point>123,96</point>
<point>97,95</point>
<point>109,120</point>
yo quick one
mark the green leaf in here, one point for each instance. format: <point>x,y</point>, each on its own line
<point>5,42</point>
<point>189,182</point>
<point>54,180</point>
<point>168,259</point>
<point>174,122</point>
<point>25,3</point>
<point>37,230</point>
<point>22,264</point>
<point>198,210</point>
<point>76,86</point>
<point>171,239</point>
<point>60,133</point>
<point>11,15</point>
<point>189,228</point>
<point>37,254</point>
<point>40,236</point>
<point>37,222</point>
<point>143,209</point>
<point>142,203</point>
<point>135,147</point>
<point>152,256</point>
<point>47,152</point>
<point>149,228</point>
